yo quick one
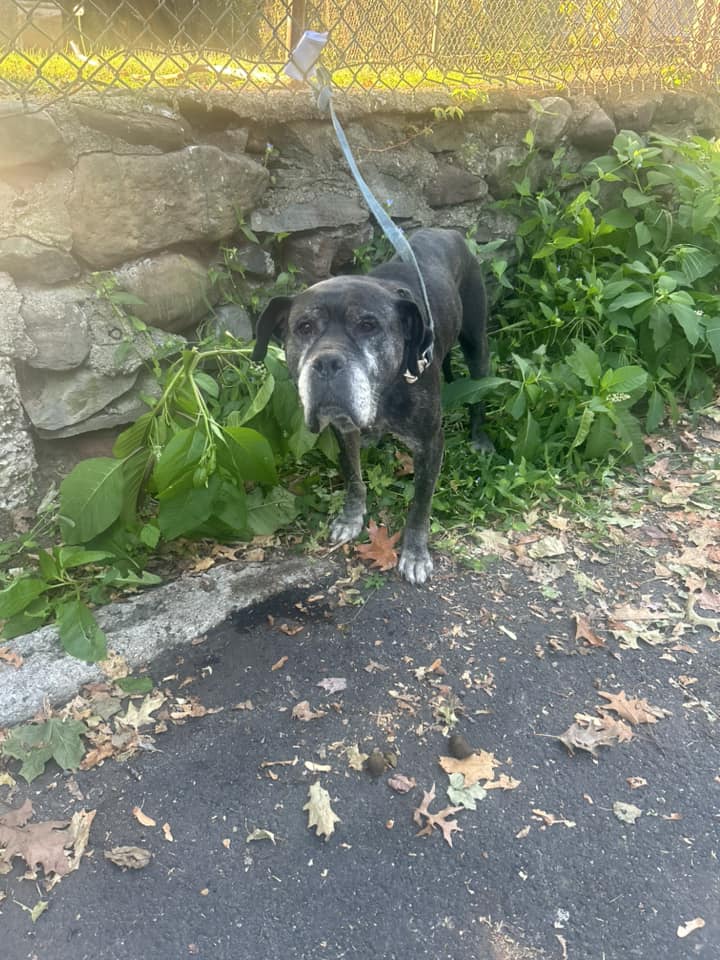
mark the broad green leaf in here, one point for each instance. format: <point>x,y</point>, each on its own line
<point>629,430</point>
<point>688,320</point>
<point>301,439</point>
<point>134,438</point>
<point>466,390</point>
<point>259,401</point>
<point>79,632</point>
<point>601,439</point>
<point>174,470</point>
<point>696,262</point>
<point>251,454</point>
<point>36,743</point>
<point>712,334</point>
<point>655,411</point>
<point>186,511</point>
<point>15,598</point>
<point>585,363</point>
<point>586,421</point>
<point>624,380</point>
<point>462,796</point>
<point>267,513</point>
<point>642,234</point>
<point>91,498</point>
<point>135,684</point>
<point>206,383</point>
<point>634,198</point>
<point>627,301</point>
<point>620,218</point>
<point>149,535</point>
<point>70,557</point>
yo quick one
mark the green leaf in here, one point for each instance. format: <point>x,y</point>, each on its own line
<point>91,498</point>
<point>462,796</point>
<point>696,262</point>
<point>18,595</point>
<point>69,557</point>
<point>174,470</point>
<point>624,380</point>
<point>629,430</point>
<point>79,632</point>
<point>585,363</point>
<point>206,383</point>
<point>259,401</point>
<point>268,513</point>
<point>634,198</point>
<point>251,454</point>
<point>187,510</point>
<point>655,411</point>
<point>628,300</point>
<point>135,684</point>
<point>712,334</point>
<point>586,421</point>
<point>149,535</point>
<point>470,391</point>
<point>642,234</point>
<point>688,320</point>
<point>36,743</point>
<point>620,218</point>
<point>134,438</point>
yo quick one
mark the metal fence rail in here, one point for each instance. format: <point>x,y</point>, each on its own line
<point>59,47</point>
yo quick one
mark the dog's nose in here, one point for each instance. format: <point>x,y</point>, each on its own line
<point>328,365</point>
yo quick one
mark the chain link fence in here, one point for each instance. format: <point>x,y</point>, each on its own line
<point>60,47</point>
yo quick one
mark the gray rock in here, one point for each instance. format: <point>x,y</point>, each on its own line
<point>635,113</point>
<point>454,185</point>
<point>17,452</point>
<point>233,319</point>
<point>550,123</point>
<point>27,260</point>
<point>321,208</point>
<point>253,259</point>
<point>195,194</point>
<point>118,348</point>
<point>444,136</point>
<point>125,409</point>
<point>402,200</point>
<point>506,166</point>
<point>675,106</point>
<point>591,128</point>
<point>28,135</point>
<point>484,223</point>
<point>145,123</point>
<point>56,320</point>
<point>707,119</point>
<point>55,399</point>
<point>317,253</point>
<point>496,128</point>
<point>38,211</point>
<point>176,290</point>
<point>14,341</point>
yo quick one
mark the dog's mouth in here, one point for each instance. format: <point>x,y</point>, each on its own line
<point>324,416</point>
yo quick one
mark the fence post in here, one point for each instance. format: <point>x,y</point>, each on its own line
<point>296,23</point>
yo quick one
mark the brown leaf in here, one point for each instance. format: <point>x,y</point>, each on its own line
<point>634,710</point>
<point>594,733</point>
<point>167,833</point>
<point>143,818</point>
<point>405,465</point>
<point>11,658</point>
<point>439,819</point>
<point>54,845</point>
<point>291,631</point>
<point>401,784</point>
<point>583,631</point>
<point>302,711</point>
<point>636,782</point>
<point>279,664</point>
<point>478,766</point>
<point>550,820</point>
<point>380,550</point>
<point>503,782</point>
<point>134,858</point>
<point>320,813</point>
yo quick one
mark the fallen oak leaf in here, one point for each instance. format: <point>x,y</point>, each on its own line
<point>381,549</point>
<point>583,631</point>
<point>478,766</point>
<point>634,710</point>
<point>11,658</point>
<point>140,716</point>
<point>320,813</point>
<point>49,844</point>
<point>134,858</point>
<point>594,732</point>
<point>439,819</point>
<point>400,783</point>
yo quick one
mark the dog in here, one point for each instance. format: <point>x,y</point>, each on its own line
<point>356,347</point>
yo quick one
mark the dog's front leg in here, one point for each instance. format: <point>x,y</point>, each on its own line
<point>350,522</point>
<point>415,562</point>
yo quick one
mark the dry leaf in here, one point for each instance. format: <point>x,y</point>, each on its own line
<point>594,732</point>
<point>279,664</point>
<point>546,547</point>
<point>143,818</point>
<point>439,819</point>
<point>400,783</point>
<point>355,757</point>
<point>243,705</point>
<point>302,711</point>
<point>259,834</point>
<point>333,684</point>
<point>550,820</point>
<point>503,782</point>
<point>167,833</point>
<point>291,631</point>
<point>636,782</point>
<point>54,845</point>
<point>11,658</point>
<point>634,711</point>
<point>521,834</point>
<point>627,812</point>
<point>134,858</point>
<point>583,631</point>
<point>405,465</point>
<point>140,716</point>
<point>685,929</point>
<point>203,564</point>
<point>478,766</point>
<point>381,549</point>
<point>320,813</point>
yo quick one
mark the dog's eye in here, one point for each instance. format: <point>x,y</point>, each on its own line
<point>367,325</point>
<point>304,328</point>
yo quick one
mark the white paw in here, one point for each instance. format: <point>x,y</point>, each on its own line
<point>346,528</point>
<point>415,565</point>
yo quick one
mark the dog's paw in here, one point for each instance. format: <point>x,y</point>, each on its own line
<point>481,443</point>
<point>415,564</point>
<point>346,528</point>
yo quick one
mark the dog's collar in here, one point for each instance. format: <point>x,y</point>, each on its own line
<point>424,361</point>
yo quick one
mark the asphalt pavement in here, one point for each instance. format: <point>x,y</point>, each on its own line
<point>544,869</point>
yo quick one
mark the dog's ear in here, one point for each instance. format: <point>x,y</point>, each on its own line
<point>418,333</point>
<point>273,320</point>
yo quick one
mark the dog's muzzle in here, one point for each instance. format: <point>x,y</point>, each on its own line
<point>333,390</point>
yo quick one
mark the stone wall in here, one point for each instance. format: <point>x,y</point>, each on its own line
<point>137,197</point>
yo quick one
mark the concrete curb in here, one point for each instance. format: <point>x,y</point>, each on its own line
<point>144,626</point>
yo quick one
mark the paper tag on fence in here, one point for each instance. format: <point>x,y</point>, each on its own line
<point>305,55</point>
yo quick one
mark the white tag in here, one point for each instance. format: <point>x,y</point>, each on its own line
<point>305,55</point>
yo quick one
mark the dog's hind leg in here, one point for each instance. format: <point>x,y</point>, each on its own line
<point>447,368</point>
<point>473,340</point>
<point>350,521</point>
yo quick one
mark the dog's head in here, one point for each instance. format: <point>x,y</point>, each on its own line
<point>346,340</point>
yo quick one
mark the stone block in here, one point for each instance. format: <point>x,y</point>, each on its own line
<point>175,290</point>
<point>141,123</point>
<point>14,340</point>
<point>28,135</point>
<point>590,127</point>
<point>55,400</point>
<point>17,452</point>
<point>550,122</point>
<point>454,185</point>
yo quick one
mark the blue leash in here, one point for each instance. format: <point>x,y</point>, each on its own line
<point>322,85</point>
